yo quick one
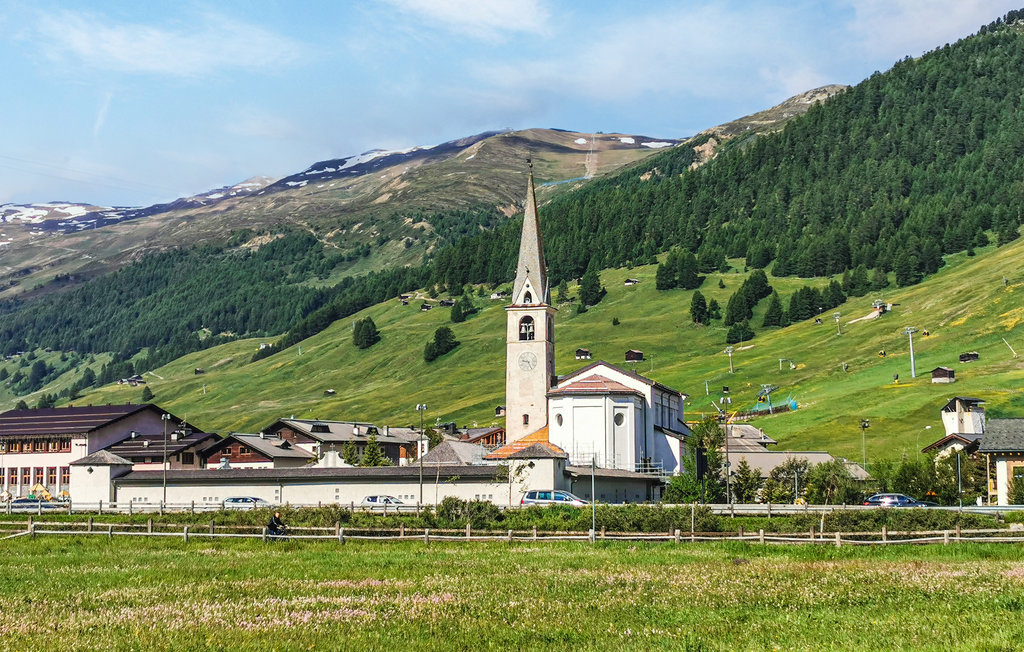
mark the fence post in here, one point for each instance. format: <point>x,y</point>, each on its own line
<point>100,510</point>
<point>337,529</point>
<point>839,542</point>
<point>401,529</point>
<point>149,525</point>
<point>760,536</point>
<point>510,536</point>
<point>212,527</point>
<point>264,534</point>
<point>693,516</point>
<point>184,534</point>
<point>958,533</point>
<point>32,528</point>
<point>9,507</point>
<point>192,507</point>
<point>885,533</point>
<point>110,531</point>
<point>812,534</point>
<point>417,508</point>
<point>741,532</point>
<point>535,533</point>
<point>602,531</point>
<point>89,526</point>
<point>732,510</point>
<point>467,531</point>
<point>426,536</point>
<point>39,508</point>
<point>69,507</point>
<point>769,509</point>
<point>341,535</point>
<point>161,508</point>
<point>945,537</point>
<point>591,534</point>
<point>677,536</point>
<point>131,508</point>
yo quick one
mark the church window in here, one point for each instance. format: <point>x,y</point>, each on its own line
<point>526,329</point>
<point>526,419</point>
<point>527,298</point>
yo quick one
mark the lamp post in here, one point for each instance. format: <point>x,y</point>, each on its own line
<point>729,351</point>
<point>864,425</point>
<point>909,332</point>
<point>165,417</point>
<point>421,408</point>
<point>839,328</point>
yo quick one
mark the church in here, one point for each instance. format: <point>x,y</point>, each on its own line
<point>599,414</point>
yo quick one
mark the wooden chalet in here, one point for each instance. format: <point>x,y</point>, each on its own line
<point>584,354</point>
<point>254,452</point>
<point>633,355</point>
<point>943,375</point>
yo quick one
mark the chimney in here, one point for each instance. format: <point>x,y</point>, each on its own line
<point>145,443</point>
<point>134,434</point>
<point>387,431</point>
<point>263,435</point>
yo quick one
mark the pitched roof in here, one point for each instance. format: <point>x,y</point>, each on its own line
<point>539,437</point>
<point>595,384</point>
<point>1003,436</point>
<point>539,451</point>
<point>65,420</point>
<point>455,452</point>
<point>644,379</point>
<point>968,402</point>
<point>272,447</point>
<point>149,444</point>
<point>531,265</point>
<point>969,440</point>
<point>102,458</point>
<point>345,431</point>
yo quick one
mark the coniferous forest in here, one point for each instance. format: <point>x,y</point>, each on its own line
<point>923,160</point>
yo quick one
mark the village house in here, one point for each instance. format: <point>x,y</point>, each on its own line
<point>241,451</point>
<point>37,446</point>
<point>1003,448</point>
<point>317,436</point>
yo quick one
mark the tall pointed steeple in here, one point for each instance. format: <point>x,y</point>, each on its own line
<point>531,286</point>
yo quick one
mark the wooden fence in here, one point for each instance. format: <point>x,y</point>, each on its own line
<point>339,534</point>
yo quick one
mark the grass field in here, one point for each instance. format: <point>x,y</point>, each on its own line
<point>77,593</point>
<point>970,305</point>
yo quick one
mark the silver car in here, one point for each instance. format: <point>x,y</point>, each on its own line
<point>245,502</point>
<point>552,497</point>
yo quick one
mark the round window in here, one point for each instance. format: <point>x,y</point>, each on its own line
<point>619,418</point>
<point>558,419</point>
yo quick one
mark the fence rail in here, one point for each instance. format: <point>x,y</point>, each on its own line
<point>339,534</point>
<point>735,509</point>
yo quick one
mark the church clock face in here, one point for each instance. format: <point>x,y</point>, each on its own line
<point>527,361</point>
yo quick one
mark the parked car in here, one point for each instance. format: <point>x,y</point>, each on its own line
<point>245,502</point>
<point>552,497</point>
<point>380,501</point>
<point>892,500</point>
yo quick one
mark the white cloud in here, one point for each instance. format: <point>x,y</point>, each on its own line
<point>480,19</point>
<point>895,29</point>
<point>256,123</point>
<point>212,43</point>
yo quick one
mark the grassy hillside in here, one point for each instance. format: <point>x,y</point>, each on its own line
<point>965,307</point>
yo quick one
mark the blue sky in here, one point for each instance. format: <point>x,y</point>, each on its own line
<point>132,103</point>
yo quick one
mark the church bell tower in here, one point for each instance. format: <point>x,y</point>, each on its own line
<point>530,333</point>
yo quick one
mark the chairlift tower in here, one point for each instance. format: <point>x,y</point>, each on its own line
<point>839,329</point>
<point>909,332</point>
<point>766,393</point>
<point>729,351</point>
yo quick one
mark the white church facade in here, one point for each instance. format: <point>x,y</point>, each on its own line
<point>599,414</point>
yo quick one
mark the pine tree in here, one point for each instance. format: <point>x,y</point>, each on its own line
<point>689,273</point>
<point>372,453</point>
<point>698,308</point>
<point>664,278</point>
<point>443,342</point>
<point>458,314</point>
<point>591,291</point>
<point>774,315</point>
<point>745,483</point>
<point>714,310</point>
<point>562,293</point>
<point>21,405</point>
<point>365,333</point>
<point>147,394</point>
<point>739,332</point>
<point>349,453</point>
<point>879,280</point>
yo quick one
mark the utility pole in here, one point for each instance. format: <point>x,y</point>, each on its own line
<point>165,417</point>
<point>421,407</point>
<point>729,350</point>
<point>864,425</point>
<point>909,332</point>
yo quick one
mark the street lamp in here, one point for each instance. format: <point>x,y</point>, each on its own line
<point>421,408</point>
<point>864,425</point>
<point>165,417</point>
<point>729,350</point>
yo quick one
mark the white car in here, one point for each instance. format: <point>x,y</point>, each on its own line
<point>245,502</point>
<point>380,501</point>
<point>542,497</point>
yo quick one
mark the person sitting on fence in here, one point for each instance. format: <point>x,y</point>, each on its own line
<point>276,526</point>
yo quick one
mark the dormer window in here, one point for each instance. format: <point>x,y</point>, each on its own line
<point>526,330</point>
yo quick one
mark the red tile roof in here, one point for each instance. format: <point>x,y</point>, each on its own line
<point>594,385</point>
<point>538,438</point>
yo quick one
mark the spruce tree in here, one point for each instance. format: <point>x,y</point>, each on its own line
<point>147,394</point>
<point>773,315</point>
<point>372,453</point>
<point>349,453</point>
<point>562,293</point>
<point>714,310</point>
<point>739,332</point>
<point>591,291</point>
<point>698,308</point>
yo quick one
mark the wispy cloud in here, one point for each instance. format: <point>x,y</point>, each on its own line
<point>482,19</point>
<point>101,115</point>
<point>213,42</point>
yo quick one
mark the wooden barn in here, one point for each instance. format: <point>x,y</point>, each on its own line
<point>943,375</point>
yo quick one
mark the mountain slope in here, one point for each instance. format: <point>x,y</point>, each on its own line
<point>965,307</point>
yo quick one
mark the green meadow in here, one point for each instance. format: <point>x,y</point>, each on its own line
<point>82,594</point>
<point>970,305</point>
